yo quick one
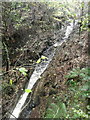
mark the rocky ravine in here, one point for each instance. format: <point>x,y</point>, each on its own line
<point>72,54</point>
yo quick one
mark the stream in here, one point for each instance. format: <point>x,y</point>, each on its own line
<point>40,68</point>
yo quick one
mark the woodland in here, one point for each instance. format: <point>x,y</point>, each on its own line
<point>44,52</point>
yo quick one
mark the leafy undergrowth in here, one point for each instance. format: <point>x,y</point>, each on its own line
<point>56,110</point>
<point>13,85</point>
<point>73,103</point>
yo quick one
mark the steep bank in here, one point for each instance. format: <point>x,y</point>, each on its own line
<point>40,34</point>
<point>71,54</point>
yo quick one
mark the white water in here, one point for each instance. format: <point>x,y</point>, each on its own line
<point>40,68</point>
<point>68,32</point>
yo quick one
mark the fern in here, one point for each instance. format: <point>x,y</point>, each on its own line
<point>56,110</point>
<point>83,73</point>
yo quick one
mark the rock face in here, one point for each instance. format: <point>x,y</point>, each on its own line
<point>71,54</point>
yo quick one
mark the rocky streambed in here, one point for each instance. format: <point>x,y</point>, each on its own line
<point>49,53</point>
<point>47,49</point>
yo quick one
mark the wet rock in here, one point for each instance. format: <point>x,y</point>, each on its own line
<point>36,101</point>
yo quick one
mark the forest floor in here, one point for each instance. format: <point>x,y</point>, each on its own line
<point>53,85</point>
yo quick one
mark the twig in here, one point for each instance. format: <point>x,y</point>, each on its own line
<point>8,60</point>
